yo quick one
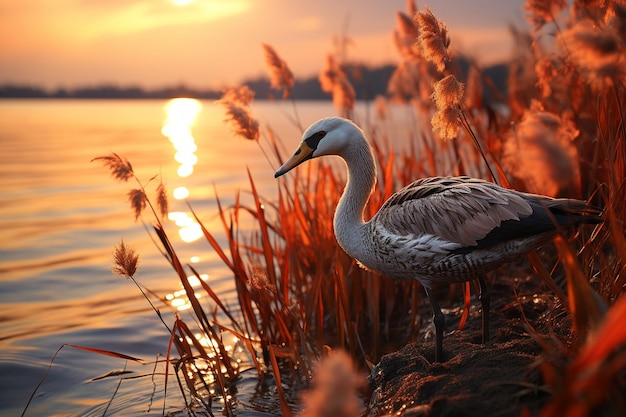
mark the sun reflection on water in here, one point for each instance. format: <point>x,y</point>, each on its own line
<point>181,114</point>
<point>178,299</point>
<point>188,228</point>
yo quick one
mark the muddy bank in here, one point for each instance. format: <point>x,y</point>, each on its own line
<point>500,378</point>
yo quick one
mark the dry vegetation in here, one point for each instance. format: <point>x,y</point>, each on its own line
<point>559,131</point>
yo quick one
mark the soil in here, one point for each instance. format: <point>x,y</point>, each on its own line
<point>499,378</point>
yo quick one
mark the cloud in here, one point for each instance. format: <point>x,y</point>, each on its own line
<point>144,15</point>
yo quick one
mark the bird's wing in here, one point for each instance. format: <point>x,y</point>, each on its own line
<point>457,209</point>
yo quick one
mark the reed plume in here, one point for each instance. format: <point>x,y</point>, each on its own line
<point>448,92</point>
<point>336,385</point>
<point>433,38</point>
<point>120,167</point>
<point>413,77</point>
<point>161,199</point>
<point>333,80</point>
<point>381,107</point>
<point>595,50</point>
<point>540,12</point>
<point>411,7</point>
<point>122,170</point>
<point>617,22</point>
<point>125,261</point>
<point>138,201</point>
<point>474,90</point>
<point>281,75</point>
<point>546,72</point>
<point>236,101</point>
<point>541,152</point>
<point>241,95</point>
<point>244,124</point>
<point>448,97</point>
<point>405,37</point>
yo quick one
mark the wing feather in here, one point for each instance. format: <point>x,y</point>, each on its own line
<point>458,209</point>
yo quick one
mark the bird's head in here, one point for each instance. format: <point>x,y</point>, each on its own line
<point>329,136</point>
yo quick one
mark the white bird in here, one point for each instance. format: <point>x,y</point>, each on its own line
<point>435,230</point>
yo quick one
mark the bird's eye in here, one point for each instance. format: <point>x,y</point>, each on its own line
<point>321,134</point>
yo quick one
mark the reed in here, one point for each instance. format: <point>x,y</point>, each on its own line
<point>298,292</point>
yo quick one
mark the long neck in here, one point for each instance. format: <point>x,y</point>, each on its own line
<point>348,220</point>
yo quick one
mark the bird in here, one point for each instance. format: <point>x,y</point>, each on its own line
<point>436,230</point>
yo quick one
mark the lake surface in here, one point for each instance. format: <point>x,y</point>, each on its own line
<point>61,216</point>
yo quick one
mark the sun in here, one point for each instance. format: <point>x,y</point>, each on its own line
<point>182,2</point>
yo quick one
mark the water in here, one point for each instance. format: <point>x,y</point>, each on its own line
<point>60,217</point>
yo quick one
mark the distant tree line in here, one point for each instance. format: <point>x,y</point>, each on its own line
<point>367,82</point>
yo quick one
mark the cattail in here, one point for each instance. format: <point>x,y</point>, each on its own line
<point>540,12</point>
<point>448,96</point>
<point>281,75</point>
<point>433,38</point>
<point>595,50</point>
<point>120,168</point>
<point>138,200</point>
<point>125,260</point>
<point>336,385</point>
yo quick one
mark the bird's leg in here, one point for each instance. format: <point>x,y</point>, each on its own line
<point>485,299</point>
<point>440,323</point>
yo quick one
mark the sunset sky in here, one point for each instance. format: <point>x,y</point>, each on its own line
<point>213,43</point>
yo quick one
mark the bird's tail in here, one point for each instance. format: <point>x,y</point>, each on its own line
<point>569,212</point>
